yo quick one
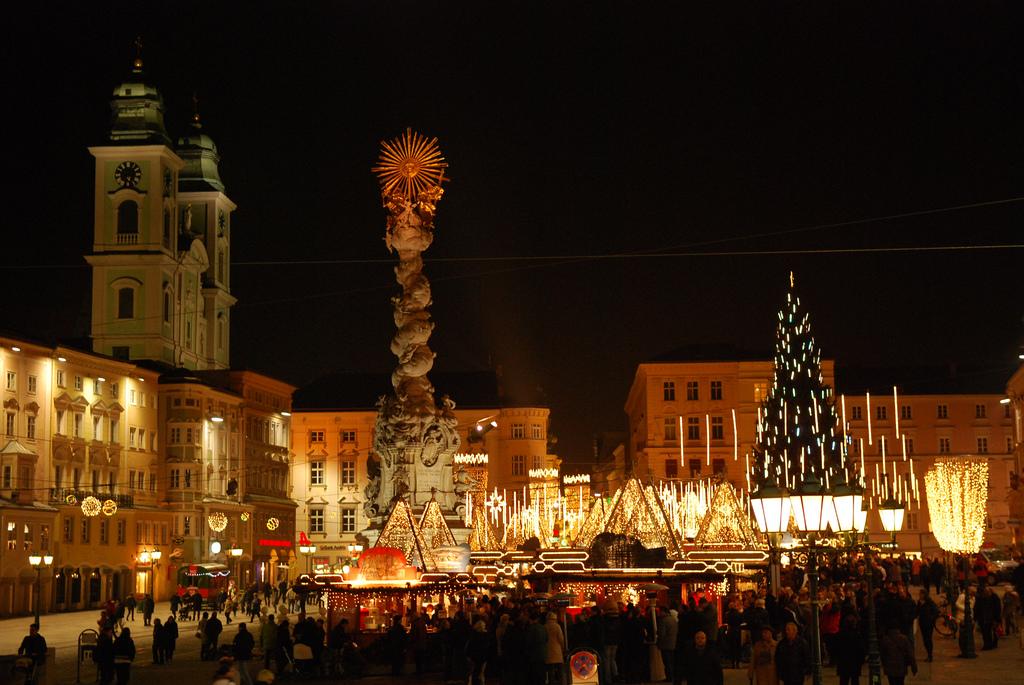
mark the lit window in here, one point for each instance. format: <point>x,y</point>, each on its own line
<point>760,392</point>
<point>316,520</point>
<point>316,473</point>
<point>668,391</point>
<point>348,473</point>
<point>348,520</point>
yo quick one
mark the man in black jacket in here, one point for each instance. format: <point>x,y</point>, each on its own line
<point>103,655</point>
<point>33,645</point>
<point>243,645</point>
<point>213,630</point>
<point>703,666</point>
<point>927,615</point>
<point>792,657</point>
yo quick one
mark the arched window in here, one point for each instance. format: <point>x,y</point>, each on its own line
<point>127,222</point>
<point>126,303</point>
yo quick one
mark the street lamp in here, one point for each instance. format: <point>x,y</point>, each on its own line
<point>234,553</point>
<point>771,507</point>
<point>309,551</point>
<point>39,562</point>
<point>814,511</point>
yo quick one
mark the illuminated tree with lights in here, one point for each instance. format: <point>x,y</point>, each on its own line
<point>434,528</point>
<point>403,533</point>
<point>798,439</point>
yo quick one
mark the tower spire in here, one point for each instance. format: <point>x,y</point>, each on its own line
<point>196,123</point>
<point>137,62</point>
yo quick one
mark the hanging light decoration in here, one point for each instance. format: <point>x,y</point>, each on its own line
<point>217,521</point>
<point>245,516</point>
<point>91,506</point>
<point>71,499</point>
<point>273,523</point>
<point>109,507</point>
<point>957,490</point>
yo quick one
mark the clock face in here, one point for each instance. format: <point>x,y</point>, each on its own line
<point>128,174</point>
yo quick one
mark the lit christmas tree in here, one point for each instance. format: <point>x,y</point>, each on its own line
<point>798,442</point>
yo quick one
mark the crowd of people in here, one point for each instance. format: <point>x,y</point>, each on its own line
<point>523,642</point>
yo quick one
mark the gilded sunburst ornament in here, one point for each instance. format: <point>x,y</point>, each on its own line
<point>409,164</point>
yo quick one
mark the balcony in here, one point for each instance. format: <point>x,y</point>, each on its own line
<point>60,496</point>
<point>127,238</point>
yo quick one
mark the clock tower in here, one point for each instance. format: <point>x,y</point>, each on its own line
<point>155,291</point>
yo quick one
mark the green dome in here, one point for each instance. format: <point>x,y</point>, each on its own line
<point>201,159</point>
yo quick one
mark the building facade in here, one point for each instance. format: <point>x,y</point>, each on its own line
<point>334,455</point>
<point>692,419</point>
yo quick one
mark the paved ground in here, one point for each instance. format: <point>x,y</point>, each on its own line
<point>1004,665</point>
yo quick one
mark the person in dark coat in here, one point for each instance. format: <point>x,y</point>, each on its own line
<point>170,638</point>
<point>478,650</point>
<point>147,610</point>
<point>536,650</point>
<point>284,644</point>
<point>703,666</point>
<point>396,639</point>
<point>897,656</point>
<point>849,652</point>
<point>103,655</point>
<point>175,603</point>
<point>129,607</point>
<point>124,654</point>
<point>212,632</point>
<point>159,642</point>
<point>792,657</point>
<point>243,645</point>
<point>927,615</point>
<point>988,614</point>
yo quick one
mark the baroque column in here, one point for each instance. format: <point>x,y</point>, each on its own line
<point>414,437</point>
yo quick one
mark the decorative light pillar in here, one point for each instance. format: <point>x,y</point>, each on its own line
<point>957,490</point>
<point>38,563</point>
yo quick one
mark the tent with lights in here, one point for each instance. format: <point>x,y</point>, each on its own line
<point>593,525</point>
<point>726,525</point>
<point>402,532</point>
<point>637,512</point>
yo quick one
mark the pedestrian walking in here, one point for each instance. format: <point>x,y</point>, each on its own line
<point>212,632</point>
<point>703,665</point>
<point>849,654</point>
<point>927,615</point>
<point>761,670</point>
<point>170,638</point>
<point>175,603</point>
<point>897,656</point>
<point>555,662</point>
<point>103,654</point>
<point>668,637</point>
<point>268,640</point>
<point>124,655</point>
<point>159,642</point>
<point>792,657</point>
<point>243,645</point>
<point>988,613</point>
<point>478,651</point>
<point>148,606</point>
<point>129,606</point>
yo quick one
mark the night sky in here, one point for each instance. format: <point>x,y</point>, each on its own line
<point>570,129</point>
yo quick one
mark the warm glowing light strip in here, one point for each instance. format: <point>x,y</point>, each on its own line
<point>577,479</point>
<point>735,438</point>
<point>470,458</point>
<point>867,398</point>
<point>544,473</point>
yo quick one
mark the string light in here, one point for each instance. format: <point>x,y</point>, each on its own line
<point>218,521</point>
<point>109,507</point>
<point>273,523</point>
<point>91,506</point>
<point>957,490</point>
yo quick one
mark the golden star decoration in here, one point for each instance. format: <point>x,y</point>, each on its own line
<point>409,163</point>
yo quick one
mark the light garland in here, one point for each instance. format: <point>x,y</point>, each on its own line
<point>273,523</point>
<point>218,521</point>
<point>245,516</point>
<point>402,532</point>
<point>957,490</point>
<point>577,479</point>
<point>71,499</point>
<point>109,507</point>
<point>471,459</point>
<point>434,528</point>
<point>91,506</point>
<point>544,473</point>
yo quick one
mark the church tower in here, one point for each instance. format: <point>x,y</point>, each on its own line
<point>154,295</point>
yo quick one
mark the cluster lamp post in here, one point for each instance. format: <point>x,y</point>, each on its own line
<point>39,562</point>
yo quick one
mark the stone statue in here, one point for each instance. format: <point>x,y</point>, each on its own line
<point>413,436</point>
